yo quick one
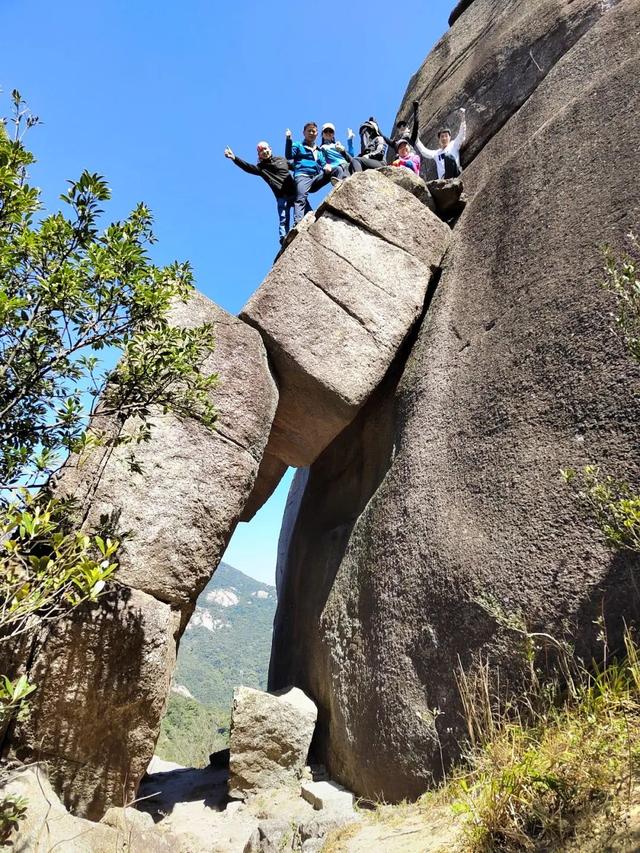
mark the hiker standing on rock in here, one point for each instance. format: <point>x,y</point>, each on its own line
<point>310,168</point>
<point>403,132</point>
<point>372,147</point>
<point>337,156</point>
<point>447,156</point>
<point>275,171</point>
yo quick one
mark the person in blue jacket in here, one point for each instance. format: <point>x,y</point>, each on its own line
<point>335,152</point>
<point>310,168</point>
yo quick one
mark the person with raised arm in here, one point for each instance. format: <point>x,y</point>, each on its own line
<point>403,132</point>
<point>275,171</point>
<point>372,147</point>
<point>310,168</point>
<point>337,156</point>
<point>447,156</point>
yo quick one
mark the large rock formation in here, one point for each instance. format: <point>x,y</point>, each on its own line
<point>103,674</point>
<point>494,56</point>
<point>337,305</point>
<point>439,515</point>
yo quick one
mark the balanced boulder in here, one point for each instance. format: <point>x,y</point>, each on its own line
<point>338,304</point>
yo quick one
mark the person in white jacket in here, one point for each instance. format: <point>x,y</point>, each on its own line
<point>449,150</point>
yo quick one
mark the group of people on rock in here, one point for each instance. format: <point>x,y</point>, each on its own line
<point>308,165</point>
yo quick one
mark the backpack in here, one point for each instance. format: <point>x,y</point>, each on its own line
<point>451,168</point>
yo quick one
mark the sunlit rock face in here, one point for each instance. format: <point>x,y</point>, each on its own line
<point>338,304</point>
<point>439,516</point>
<point>492,58</point>
<point>104,674</point>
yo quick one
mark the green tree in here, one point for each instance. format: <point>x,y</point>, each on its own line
<point>74,297</point>
<point>69,292</point>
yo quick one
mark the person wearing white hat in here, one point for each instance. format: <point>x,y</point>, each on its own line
<point>336,155</point>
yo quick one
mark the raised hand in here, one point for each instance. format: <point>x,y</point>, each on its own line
<point>287,133</point>
<point>350,133</point>
<point>229,153</point>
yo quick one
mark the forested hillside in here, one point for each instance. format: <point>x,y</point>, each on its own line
<point>227,643</point>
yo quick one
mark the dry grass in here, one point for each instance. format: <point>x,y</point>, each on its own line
<point>533,777</point>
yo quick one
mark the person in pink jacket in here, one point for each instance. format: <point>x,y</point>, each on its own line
<point>406,156</point>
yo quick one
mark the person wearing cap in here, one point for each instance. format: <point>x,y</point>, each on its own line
<point>310,168</point>
<point>406,156</point>
<point>403,132</point>
<point>275,171</point>
<point>372,147</point>
<point>337,156</point>
<point>447,156</point>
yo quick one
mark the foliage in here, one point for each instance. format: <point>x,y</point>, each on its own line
<point>613,505</point>
<point>191,731</point>
<point>13,699</point>
<point>623,280</point>
<point>12,811</point>
<point>72,298</point>
<point>68,292</point>
<point>530,780</point>
<point>47,566</point>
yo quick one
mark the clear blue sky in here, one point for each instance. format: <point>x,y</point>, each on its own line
<point>148,94</point>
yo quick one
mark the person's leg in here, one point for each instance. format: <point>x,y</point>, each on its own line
<point>356,165</point>
<point>301,204</point>
<point>371,163</point>
<point>289,212</point>
<point>320,181</point>
<point>283,218</point>
<point>341,171</point>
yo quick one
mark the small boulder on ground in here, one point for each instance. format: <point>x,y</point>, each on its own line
<point>270,738</point>
<point>327,795</point>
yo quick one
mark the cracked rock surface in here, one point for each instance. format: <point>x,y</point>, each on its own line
<point>339,303</point>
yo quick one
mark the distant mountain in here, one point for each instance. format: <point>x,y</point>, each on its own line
<point>228,640</point>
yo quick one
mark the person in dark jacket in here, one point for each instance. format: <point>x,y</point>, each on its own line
<point>310,168</point>
<point>275,171</point>
<point>372,147</point>
<point>403,132</point>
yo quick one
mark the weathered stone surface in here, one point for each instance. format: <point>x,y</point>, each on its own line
<point>490,61</point>
<point>48,826</point>
<point>409,181</point>
<point>182,501</point>
<point>270,472</point>
<point>441,510</point>
<point>294,498</point>
<point>459,8</point>
<point>319,826</point>
<point>103,676</point>
<point>270,739</point>
<point>389,211</point>
<point>327,795</point>
<point>447,194</point>
<point>333,312</point>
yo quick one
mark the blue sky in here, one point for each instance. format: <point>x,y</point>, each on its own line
<point>148,95</point>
